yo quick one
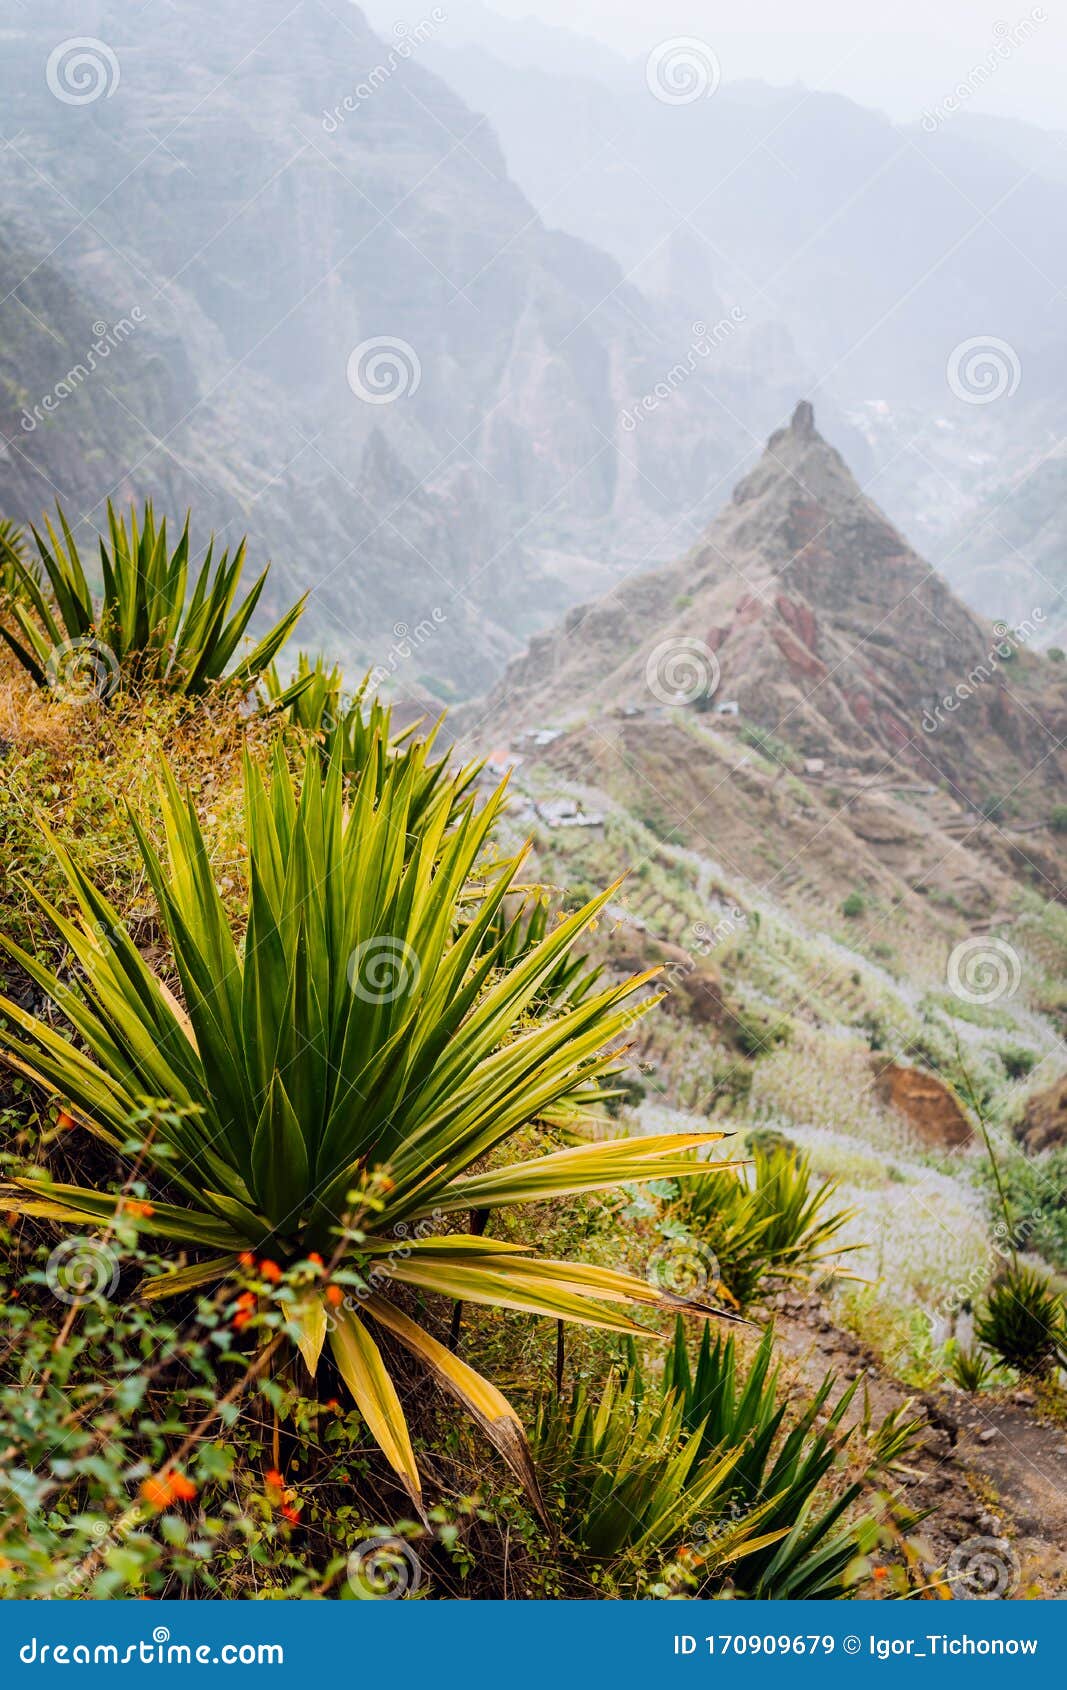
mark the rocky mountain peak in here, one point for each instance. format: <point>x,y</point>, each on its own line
<point>820,625</point>
<point>802,421</point>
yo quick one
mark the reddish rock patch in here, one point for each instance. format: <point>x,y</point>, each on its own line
<point>801,618</point>
<point>925,1102</point>
<point>799,658</point>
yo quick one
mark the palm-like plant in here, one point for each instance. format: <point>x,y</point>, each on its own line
<point>629,1481</point>
<point>12,554</point>
<point>359,730</point>
<point>707,1463</point>
<point>971,1368</point>
<point>149,629</point>
<point>361,1037</point>
<point>514,935</point>
<point>1023,1321</point>
<point>314,699</point>
<point>778,1224</point>
<point>726,1405</point>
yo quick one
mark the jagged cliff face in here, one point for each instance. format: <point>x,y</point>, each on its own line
<point>273,187</point>
<point>805,608</point>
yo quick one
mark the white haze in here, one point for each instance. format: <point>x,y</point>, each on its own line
<point>900,58</point>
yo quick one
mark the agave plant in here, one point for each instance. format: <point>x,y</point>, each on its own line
<point>359,730</point>
<point>775,1225</point>
<point>313,699</point>
<point>628,1481</point>
<point>703,1464</point>
<point>514,936</point>
<point>149,629</point>
<point>1023,1321</point>
<point>970,1368</point>
<point>12,554</point>
<point>362,1035</point>
<point>725,1405</point>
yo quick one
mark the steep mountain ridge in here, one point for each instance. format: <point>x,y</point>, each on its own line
<point>801,698</point>
<point>805,607</point>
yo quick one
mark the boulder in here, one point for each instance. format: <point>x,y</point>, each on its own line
<point>930,1107</point>
<point>1043,1122</point>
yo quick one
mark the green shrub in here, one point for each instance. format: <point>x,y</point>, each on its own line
<point>756,1031</point>
<point>128,1472</point>
<point>707,1464</point>
<point>768,745</point>
<point>1023,1321</point>
<point>970,1369</point>
<point>149,630</point>
<point>854,905</point>
<point>1036,1187</point>
<point>1017,1061</point>
<point>775,1224</point>
<point>1058,818</point>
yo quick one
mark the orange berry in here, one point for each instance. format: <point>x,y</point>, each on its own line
<point>291,1512</point>
<point>313,1256</point>
<point>181,1488</point>
<point>274,1478</point>
<point>334,1295</point>
<point>63,1120</point>
<point>270,1270</point>
<point>247,1300</point>
<point>246,1259</point>
<point>241,1319</point>
<point>156,1492</point>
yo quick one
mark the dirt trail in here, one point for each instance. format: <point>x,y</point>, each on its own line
<point>992,1472</point>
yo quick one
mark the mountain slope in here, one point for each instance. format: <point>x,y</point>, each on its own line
<point>277,190</point>
<point>884,257</point>
<point>856,958</point>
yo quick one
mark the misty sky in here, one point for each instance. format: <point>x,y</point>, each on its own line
<point>899,55</point>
